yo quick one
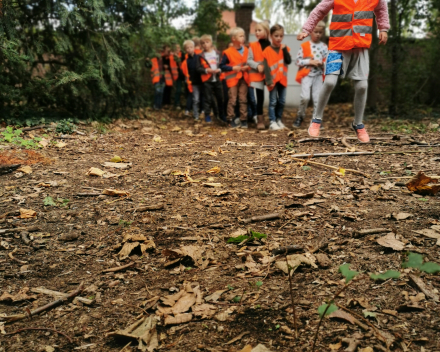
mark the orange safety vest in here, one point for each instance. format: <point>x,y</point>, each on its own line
<point>278,70</point>
<point>184,68</point>
<point>352,24</point>
<point>198,51</point>
<point>155,72</point>
<point>254,75</point>
<point>303,71</point>
<point>236,59</point>
<point>173,67</point>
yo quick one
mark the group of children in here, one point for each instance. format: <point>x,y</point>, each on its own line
<point>231,85</point>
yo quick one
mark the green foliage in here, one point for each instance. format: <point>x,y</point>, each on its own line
<point>252,235</point>
<point>66,126</point>
<point>306,168</point>
<point>209,17</point>
<point>49,201</point>
<point>14,136</point>
<point>259,284</point>
<point>230,287</point>
<point>236,299</point>
<point>347,273</point>
<point>290,146</point>
<point>415,260</point>
<point>63,202</point>
<point>125,223</point>
<point>390,274</point>
<point>322,308</point>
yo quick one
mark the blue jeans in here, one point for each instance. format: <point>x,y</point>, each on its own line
<point>158,94</point>
<point>252,103</point>
<point>196,100</point>
<point>277,100</point>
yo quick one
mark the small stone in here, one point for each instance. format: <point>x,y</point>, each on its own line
<point>323,260</point>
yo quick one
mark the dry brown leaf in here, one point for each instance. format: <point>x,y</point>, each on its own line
<point>224,315</point>
<point>18,297</point>
<point>178,319</point>
<point>215,296</point>
<point>335,346</point>
<point>209,184</point>
<point>44,142</point>
<point>127,249</point>
<point>391,241</point>
<point>27,213</point>
<point>214,170</point>
<point>94,171</point>
<point>340,314</point>
<point>184,303</point>
<point>212,153</point>
<point>295,260</point>
<point>402,216</point>
<point>366,349</point>
<point>116,165</point>
<point>430,233</point>
<point>25,169</point>
<point>247,348</point>
<point>115,192</point>
<point>422,184</point>
<point>204,311</point>
<point>60,145</point>
<point>390,312</point>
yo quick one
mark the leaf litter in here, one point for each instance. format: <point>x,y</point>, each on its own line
<point>175,277</point>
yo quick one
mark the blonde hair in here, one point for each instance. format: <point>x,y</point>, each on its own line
<point>236,31</point>
<point>196,41</point>
<point>265,27</point>
<point>206,37</point>
<point>321,24</point>
<point>187,42</point>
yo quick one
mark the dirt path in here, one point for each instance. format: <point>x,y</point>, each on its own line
<point>194,186</point>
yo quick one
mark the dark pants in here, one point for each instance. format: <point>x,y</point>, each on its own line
<point>188,99</point>
<point>213,93</point>
<point>167,95</point>
<point>178,92</point>
<point>158,94</point>
<point>255,102</point>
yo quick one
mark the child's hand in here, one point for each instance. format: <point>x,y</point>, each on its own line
<point>270,87</point>
<point>236,68</point>
<point>217,71</point>
<point>209,70</point>
<point>315,63</point>
<point>260,68</point>
<point>244,68</point>
<point>383,38</point>
<point>283,46</point>
<point>165,66</point>
<point>302,35</point>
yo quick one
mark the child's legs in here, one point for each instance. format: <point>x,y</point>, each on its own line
<point>218,92</point>
<point>252,102</point>
<point>281,101</point>
<point>208,98</point>
<point>232,95</point>
<point>306,85</point>
<point>167,95</point>
<point>316,88</point>
<point>242,98</point>
<point>158,94</point>
<point>188,100</point>
<point>196,100</point>
<point>178,92</point>
<point>273,100</point>
<point>260,101</point>
<point>225,93</point>
<point>360,99</point>
<point>324,95</point>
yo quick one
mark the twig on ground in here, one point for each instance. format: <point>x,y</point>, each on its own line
<point>289,269</point>
<point>48,306</point>
<point>11,255</point>
<point>372,231</point>
<point>333,167</point>
<point>318,155</point>
<point>44,329</point>
<point>273,216</point>
<point>118,268</point>
<point>20,229</point>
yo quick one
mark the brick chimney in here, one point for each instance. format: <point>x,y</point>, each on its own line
<point>243,17</point>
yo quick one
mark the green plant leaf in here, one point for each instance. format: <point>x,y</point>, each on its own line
<point>236,299</point>
<point>330,310</point>
<point>430,268</point>
<point>49,201</point>
<point>306,168</point>
<point>415,260</point>
<point>347,273</point>
<point>390,274</point>
<point>259,283</point>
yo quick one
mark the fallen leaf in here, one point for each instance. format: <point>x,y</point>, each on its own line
<point>116,165</point>
<point>295,260</point>
<point>215,296</point>
<point>25,169</point>
<point>178,319</point>
<point>340,314</point>
<point>335,346</point>
<point>116,159</point>
<point>391,241</point>
<point>44,142</point>
<point>94,171</point>
<point>157,139</point>
<point>115,192</point>
<point>212,153</point>
<point>127,249</point>
<point>429,233</point>
<point>60,145</point>
<point>18,297</point>
<point>214,170</point>
<point>27,213</point>
<point>211,184</point>
<point>204,311</point>
<point>239,337</point>
<point>422,184</point>
<point>401,216</point>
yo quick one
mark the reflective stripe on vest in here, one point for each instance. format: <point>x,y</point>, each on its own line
<point>155,73</point>
<point>173,66</point>
<point>236,59</point>
<point>278,70</point>
<point>254,75</point>
<point>303,71</point>
<point>184,68</point>
<point>205,76</point>
<point>352,24</point>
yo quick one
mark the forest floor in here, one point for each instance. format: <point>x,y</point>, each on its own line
<point>185,189</point>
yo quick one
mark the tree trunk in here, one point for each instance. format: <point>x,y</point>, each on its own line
<point>372,78</point>
<point>395,43</point>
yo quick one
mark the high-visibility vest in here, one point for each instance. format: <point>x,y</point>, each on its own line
<point>198,51</point>
<point>155,71</point>
<point>173,67</point>
<point>278,70</point>
<point>204,63</point>
<point>184,68</point>
<point>352,24</point>
<point>254,75</point>
<point>236,59</point>
<point>303,71</point>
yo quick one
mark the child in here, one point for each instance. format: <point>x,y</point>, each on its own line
<point>178,56</point>
<point>158,80</point>
<point>197,48</point>
<point>350,37</point>
<point>234,64</point>
<point>209,61</point>
<point>189,68</point>
<point>170,69</point>
<point>276,59</point>
<point>256,74</point>
<point>310,60</point>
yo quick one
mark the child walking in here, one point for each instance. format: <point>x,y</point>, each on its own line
<point>276,59</point>
<point>208,67</point>
<point>158,79</point>
<point>193,79</point>
<point>351,31</point>
<point>234,64</point>
<point>256,73</point>
<point>310,60</point>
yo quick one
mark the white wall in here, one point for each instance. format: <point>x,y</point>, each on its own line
<point>293,88</point>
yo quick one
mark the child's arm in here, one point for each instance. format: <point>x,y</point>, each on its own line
<point>286,55</point>
<point>267,73</point>
<point>300,60</point>
<point>253,64</point>
<point>224,64</point>
<point>320,11</point>
<point>383,21</point>
<point>199,67</point>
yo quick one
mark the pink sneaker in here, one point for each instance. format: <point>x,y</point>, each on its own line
<point>361,133</point>
<point>314,128</point>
